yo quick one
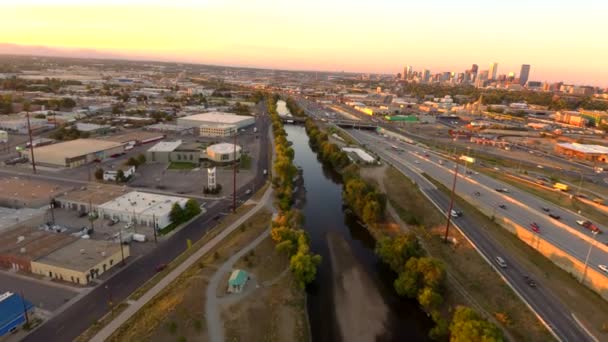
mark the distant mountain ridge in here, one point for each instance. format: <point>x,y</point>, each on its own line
<point>41,50</point>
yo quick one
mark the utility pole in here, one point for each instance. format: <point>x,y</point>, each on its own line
<point>29,132</point>
<point>591,243</point>
<point>580,184</point>
<point>122,253</point>
<point>234,175</point>
<point>154,227</point>
<point>52,207</point>
<point>447,226</point>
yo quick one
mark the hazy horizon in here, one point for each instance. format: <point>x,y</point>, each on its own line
<point>352,36</point>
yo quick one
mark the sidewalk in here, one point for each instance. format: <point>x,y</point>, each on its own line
<point>135,306</point>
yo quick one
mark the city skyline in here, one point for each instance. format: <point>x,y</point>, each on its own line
<point>324,37</point>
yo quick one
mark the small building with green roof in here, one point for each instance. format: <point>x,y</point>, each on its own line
<point>237,281</point>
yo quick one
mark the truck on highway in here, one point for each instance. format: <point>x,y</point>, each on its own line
<point>561,186</point>
<point>589,225</point>
<point>265,172</point>
<point>255,129</point>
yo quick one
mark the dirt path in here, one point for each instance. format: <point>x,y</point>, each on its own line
<point>212,311</point>
<point>360,310</point>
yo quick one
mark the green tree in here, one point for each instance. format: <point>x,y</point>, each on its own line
<point>177,213</point>
<point>304,267</point>
<point>132,162</point>
<point>429,299</point>
<point>468,326</point>
<point>99,173</point>
<point>141,159</point>
<point>191,209</point>
<point>120,176</point>
<point>398,250</point>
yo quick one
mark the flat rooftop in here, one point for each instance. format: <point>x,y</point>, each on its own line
<point>591,149</point>
<point>76,148</point>
<point>32,243</point>
<point>165,146</point>
<point>143,203</point>
<point>217,117</point>
<point>81,255</point>
<point>11,217</point>
<point>28,190</point>
<point>95,194</point>
<point>223,148</point>
<point>140,136</point>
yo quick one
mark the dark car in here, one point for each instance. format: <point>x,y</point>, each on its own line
<point>502,206</point>
<point>82,214</point>
<point>554,216</point>
<point>160,267</point>
<point>545,209</point>
<point>530,281</point>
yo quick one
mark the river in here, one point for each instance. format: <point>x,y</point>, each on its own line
<point>352,298</point>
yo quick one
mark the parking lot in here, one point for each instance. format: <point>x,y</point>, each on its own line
<point>43,294</point>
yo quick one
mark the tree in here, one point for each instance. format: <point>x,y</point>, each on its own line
<point>141,159</point>
<point>177,213</point>
<point>398,250</point>
<point>99,173</point>
<point>120,176</point>
<point>132,162</point>
<point>304,267</point>
<point>191,209</point>
<point>468,326</point>
<point>429,298</point>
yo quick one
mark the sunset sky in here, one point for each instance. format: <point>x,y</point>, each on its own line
<point>561,40</point>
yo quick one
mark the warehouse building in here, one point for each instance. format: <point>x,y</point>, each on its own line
<point>216,124</point>
<point>21,246</point>
<point>141,208</point>
<point>20,192</point>
<point>135,138</point>
<point>81,261</point>
<point>87,198</point>
<point>174,151</point>
<point>223,152</point>
<point>76,152</point>
<point>13,309</point>
<point>594,153</point>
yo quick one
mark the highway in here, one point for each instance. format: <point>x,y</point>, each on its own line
<point>544,303</point>
<point>521,207</point>
<point>75,319</point>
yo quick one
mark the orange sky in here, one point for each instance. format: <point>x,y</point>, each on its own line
<point>560,42</point>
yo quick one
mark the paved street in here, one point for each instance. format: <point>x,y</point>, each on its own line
<point>556,316</point>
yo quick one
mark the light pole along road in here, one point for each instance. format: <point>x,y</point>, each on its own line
<point>546,305</point>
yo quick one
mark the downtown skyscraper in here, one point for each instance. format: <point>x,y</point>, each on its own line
<point>524,74</point>
<point>493,71</point>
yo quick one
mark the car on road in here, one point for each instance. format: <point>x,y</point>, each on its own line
<point>16,160</point>
<point>505,190</point>
<point>160,267</point>
<point>501,262</point>
<point>502,206</point>
<point>545,209</point>
<point>248,192</point>
<point>535,227</point>
<point>456,213</point>
<point>554,216</point>
<point>530,281</point>
<point>589,225</point>
<point>416,162</point>
<point>603,268</point>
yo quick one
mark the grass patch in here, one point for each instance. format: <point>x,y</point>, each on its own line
<point>582,301</point>
<point>181,166</point>
<point>245,162</point>
<point>178,310</point>
<point>471,280</point>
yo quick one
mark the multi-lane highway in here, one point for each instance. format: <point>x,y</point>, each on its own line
<point>555,315</point>
<point>72,321</point>
<point>521,207</point>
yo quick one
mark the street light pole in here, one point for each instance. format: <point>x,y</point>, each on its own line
<point>580,184</point>
<point>591,243</point>
<point>447,226</point>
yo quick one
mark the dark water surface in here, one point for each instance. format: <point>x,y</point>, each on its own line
<point>325,214</point>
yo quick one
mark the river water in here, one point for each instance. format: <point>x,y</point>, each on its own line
<point>352,298</point>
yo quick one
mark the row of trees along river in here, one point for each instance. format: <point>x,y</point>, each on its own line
<point>369,285</point>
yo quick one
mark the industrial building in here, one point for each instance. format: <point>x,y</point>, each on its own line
<point>223,152</point>
<point>13,309</point>
<point>594,153</point>
<point>216,124</point>
<point>81,261</point>
<point>3,136</point>
<point>87,198</point>
<point>19,247</point>
<point>112,175</point>
<point>136,138</point>
<point>76,152</point>
<point>20,192</point>
<point>141,208</point>
<point>173,151</point>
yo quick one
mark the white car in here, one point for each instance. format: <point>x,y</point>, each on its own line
<point>603,268</point>
<point>416,162</point>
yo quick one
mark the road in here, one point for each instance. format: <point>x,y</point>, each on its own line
<point>522,207</point>
<point>75,319</point>
<point>546,305</point>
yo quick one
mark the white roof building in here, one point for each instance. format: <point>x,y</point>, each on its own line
<point>141,207</point>
<point>215,119</point>
<point>165,146</point>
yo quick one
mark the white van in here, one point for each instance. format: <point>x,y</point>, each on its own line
<point>501,262</point>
